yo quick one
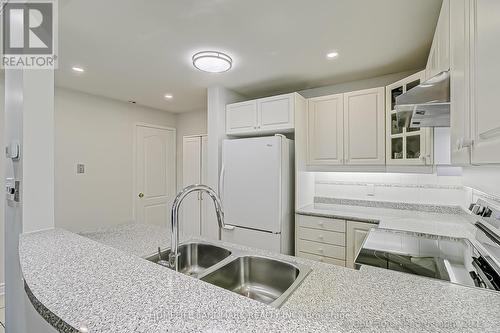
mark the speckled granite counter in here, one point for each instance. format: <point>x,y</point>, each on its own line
<point>106,286</point>
<point>446,224</point>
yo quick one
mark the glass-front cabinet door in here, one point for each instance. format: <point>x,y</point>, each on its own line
<point>406,145</point>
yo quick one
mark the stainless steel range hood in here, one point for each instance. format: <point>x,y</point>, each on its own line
<point>428,104</point>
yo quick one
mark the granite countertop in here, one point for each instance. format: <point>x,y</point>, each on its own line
<point>105,286</point>
<point>449,222</point>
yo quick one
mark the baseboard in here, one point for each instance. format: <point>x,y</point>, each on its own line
<point>2,289</point>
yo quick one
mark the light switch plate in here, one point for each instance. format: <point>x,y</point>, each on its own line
<point>80,168</point>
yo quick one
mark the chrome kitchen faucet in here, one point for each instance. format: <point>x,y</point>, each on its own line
<point>173,257</point>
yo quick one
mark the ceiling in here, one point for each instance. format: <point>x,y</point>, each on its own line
<point>141,50</point>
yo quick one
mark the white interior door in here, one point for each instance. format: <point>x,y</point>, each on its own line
<point>191,174</point>
<point>155,174</point>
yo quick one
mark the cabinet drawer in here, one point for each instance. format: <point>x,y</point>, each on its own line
<point>321,223</point>
<point>326,260</point>
<point>321,249</point>
<point>322,236</point>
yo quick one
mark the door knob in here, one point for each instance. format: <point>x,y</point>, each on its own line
<point>141,195</point>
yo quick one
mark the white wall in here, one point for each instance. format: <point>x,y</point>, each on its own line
<point>218,97</point>
<point>38,151</point>
<point>395,187</point>
<point>97,132</point>
<point>483,178</point>
<point>29,114</point>
<point>188,123</point>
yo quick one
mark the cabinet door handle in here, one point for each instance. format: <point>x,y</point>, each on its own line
<point>464,143</point>
<point>425,158</point>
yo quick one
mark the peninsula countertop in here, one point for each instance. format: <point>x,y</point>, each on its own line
<point>107,286</point>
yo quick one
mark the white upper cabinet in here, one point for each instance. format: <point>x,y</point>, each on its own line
<point>485,71</point>
<point>346,129</point>
<point>364,136</point>
<point>274,114</point>
<point>241,117</point>
<point>460,83</point>
<point>406,146</point>
<point>325,123</point>
<point>439,56</point>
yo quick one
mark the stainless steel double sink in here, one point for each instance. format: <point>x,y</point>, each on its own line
<point>267,280</point>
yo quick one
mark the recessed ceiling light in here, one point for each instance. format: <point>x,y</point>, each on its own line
<point>212,61</point>
<point>332,55</point>
<point>169,96</point>
<point>78,69</point>
<point>132,101</point>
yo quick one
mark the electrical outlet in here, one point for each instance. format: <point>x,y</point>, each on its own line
<point>370,190</point>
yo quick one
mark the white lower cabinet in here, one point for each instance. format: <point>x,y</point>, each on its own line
<point>326,260</point>
<point>329,240</point>
<point>355,236</point>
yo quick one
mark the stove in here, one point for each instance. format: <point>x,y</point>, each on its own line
<point>473,262</point>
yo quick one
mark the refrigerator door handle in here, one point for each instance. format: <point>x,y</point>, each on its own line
<point>221,182</point>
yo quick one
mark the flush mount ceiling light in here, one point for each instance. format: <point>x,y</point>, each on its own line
<point>332,55</point>
<point>78,69</point>
<point>168,96</point>
<point>212,61</point>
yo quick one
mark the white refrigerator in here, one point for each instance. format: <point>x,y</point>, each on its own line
<point>256,184</point>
